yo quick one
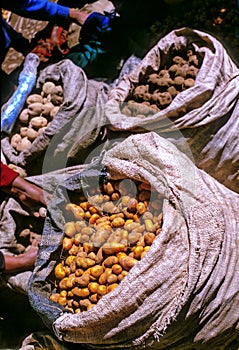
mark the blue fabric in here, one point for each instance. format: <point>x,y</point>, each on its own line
<point>10,38</point>
<point>86,53</point>
<point>93,34</point>
<point>95,26</point>
<point>27,80</point>
<point>37,9</point>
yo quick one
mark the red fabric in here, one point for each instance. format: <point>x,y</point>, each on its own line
<point>7,175</point>
<point>55,45</point>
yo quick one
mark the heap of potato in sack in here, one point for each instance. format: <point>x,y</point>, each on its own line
<point>105,236</point>
<point>39,111</point>
<point>157,90</point>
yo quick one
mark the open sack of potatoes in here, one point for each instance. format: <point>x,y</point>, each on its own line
<point>186,82</point>
<point>55,108</point>
<point>180,293</point>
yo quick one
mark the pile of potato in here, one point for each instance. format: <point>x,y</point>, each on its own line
<point>39,111</point>
<point>156,91</point>
<point>105,236</point>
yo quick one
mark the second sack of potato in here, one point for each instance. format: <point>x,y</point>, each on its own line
<point>185,89</point>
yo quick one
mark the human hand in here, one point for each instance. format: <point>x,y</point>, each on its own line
<point>21,262</point>
<point>29,257</point>
<point>30,195</point>
<point>78,16</point>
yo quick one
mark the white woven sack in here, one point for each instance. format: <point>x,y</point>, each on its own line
<point>184,294</point>
<point>206,114</point>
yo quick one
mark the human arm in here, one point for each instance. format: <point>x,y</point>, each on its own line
<point>44,10</point>
<point>30,195</point>
<point>22,262</point>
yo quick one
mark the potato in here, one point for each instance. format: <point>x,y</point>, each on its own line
<point>47,108</point>
<point>24,144</point>
<point>100,248</point>
<point>54,111</point>
<point>59,271</point>
<point>31,134</point>
<point>35,109</point>
<point>23,131</point>
<point>56,99</point>
<point>48,88</point>
<point>34,98</point>
<point>58,90</point>
<point>24,116</point>
<point>41,130</point>
<point>38,122</point>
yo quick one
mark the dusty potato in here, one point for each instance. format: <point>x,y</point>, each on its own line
<point>15,140</point>
<point>34,98</point>
<point>35,109</point>
<point>48,88</point>
<point>24,116</point>
<point>47,108</point>
<point>31,134</point>
<point>23,131</point>
<point>38,122</point>
<point>23,144</point>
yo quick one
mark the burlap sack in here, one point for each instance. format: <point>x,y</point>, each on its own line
<point>9,210</point>
<point>206,114</point>
<point>184,294</point>
<point>76,125</point>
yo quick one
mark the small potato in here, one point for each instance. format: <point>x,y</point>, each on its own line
<point>35,109</point>
<point>23,131</point>
<point>70,229</point>
<point>102,290</point>
<point>34,98</point>
<point>15,140</point>
<point>54,111</point>
<point>96,270</point>
<point>58,90</point>
<point>59,271</point>
<point>24,144</point>
<point>38,122</point>
<point>47,108</point>
<point>31,134</point>
<point>24,116</point>
<point>128,262</point>
<point>188,83</point>
<point>67,243</point>
<point>116,269</point>
<point>111,287</point>
<point>108,188</point>
<point>112,248</point>
<point>118,222</point>
<point>41,130</point>
<point>55,297</point>
<point>56,99</point>
<point>110,261</point>
<point>48,88</point>
<point>93,287</point>
<point>149,238</point>
<point>112,278</point>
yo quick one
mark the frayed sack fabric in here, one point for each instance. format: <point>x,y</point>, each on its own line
<point>206,114</point>
<point>9,210</point>
<point>76,125</point>
<point>184,294</point>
